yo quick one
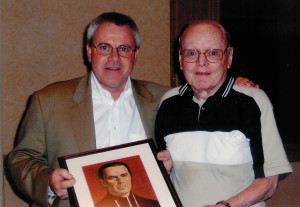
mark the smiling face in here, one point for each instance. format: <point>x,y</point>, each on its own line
<point>112,71</point>
<point>203,76</point>
<point>117,180</point>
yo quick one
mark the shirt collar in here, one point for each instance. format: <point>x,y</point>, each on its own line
<point>223,91</point>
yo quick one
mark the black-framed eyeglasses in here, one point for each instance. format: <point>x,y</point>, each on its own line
<point>106,49</point>
<point>212,55</point>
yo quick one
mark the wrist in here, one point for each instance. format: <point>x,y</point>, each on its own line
<point>51,196</point>
<point>226,204</point>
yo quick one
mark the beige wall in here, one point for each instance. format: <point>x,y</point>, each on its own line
<point>41,43</point>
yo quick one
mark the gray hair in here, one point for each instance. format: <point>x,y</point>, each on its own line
<point>117,19</point>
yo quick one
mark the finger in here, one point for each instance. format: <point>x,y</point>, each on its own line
<point>62,187</point>
<point>250,83</point>
<point>60,180</point>
<point>67,183</point>
<point>164,155</point>
<point>65,197</point>
<point>65,174</point>
<point>238,79</point>
<point>241,81</point>
<point>63,194</point>
<point>160,155</point>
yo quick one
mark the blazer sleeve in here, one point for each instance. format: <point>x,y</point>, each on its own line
<point>27,162</point>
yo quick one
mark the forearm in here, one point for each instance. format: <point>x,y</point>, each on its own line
<point>27,163</point>
<point>260,190</point>
<point>30,175</point>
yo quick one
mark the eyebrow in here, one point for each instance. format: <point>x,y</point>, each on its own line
<point>105,43</point>
<point>114,176</point>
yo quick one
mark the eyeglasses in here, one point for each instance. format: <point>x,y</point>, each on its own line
<point>212,55</point>
<point>106,49</point>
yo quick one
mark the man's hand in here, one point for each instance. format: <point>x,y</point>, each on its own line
<point>165,157</point>
<point>60,180</point>
<point>240,81</point>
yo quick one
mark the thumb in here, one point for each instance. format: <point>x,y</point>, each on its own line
<point>164,155</point>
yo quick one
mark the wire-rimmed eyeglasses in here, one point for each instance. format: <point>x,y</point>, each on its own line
<point>106,49</point>
<point>212,55</point>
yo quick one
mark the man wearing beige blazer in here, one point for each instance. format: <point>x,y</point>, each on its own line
<point>60,122</point>
<point>60,119</point>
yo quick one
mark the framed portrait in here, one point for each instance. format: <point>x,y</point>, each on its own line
<point>128,174</point>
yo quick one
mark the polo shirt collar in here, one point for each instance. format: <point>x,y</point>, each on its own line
<point>187,91</point>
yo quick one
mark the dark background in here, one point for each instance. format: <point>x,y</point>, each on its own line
<point>265,36</point>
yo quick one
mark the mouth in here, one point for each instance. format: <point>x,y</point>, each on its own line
<point>202,73</point>
<point>122,187</point>
<point>113,68</point>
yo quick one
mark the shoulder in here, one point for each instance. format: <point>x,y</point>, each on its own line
<point>151,86</point>
<point>256,93</point>
<point>107,201</point>
<point>63,89</point>
<point>147,87</point>
<point>170,93</point>
<point>146,202</point>
<point>60,86</point>
<point>259,96</point>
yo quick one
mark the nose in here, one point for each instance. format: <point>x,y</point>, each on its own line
<point>114,55</point>
<point>119,180</point>
<point>202,60</point>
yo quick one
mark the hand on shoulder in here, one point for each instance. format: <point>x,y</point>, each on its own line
<point>240,81</point>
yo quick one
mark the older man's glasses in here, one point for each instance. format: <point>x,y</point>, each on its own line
<point>106,49</point>
<point>212,55</point>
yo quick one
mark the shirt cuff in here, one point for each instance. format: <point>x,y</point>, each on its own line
<point>51,196</point>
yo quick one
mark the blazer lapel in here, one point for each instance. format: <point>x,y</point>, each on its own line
<point>82,116</point>
<point>147,109</point>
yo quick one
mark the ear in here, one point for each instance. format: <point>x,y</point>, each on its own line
<point>89,52</point>
<point>180,60</point>
<point>136,56</point>
<point>103,183</point>
<point>230,57</point>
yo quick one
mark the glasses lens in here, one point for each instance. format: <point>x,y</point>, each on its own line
<point>189,56</point>
<point>214,55</point>
<point>104,49</point>
<point>125,51</point>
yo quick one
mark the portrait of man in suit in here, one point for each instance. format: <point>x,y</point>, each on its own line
<point>116,177</point>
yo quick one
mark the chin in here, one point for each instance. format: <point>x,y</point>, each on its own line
<point>200,86</point>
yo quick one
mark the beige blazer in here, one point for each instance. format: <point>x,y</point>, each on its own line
<point>59,121</point>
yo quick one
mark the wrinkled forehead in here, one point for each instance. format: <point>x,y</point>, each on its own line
<point>205,32</point>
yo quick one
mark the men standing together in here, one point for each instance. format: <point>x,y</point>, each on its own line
<point>104,108</point>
